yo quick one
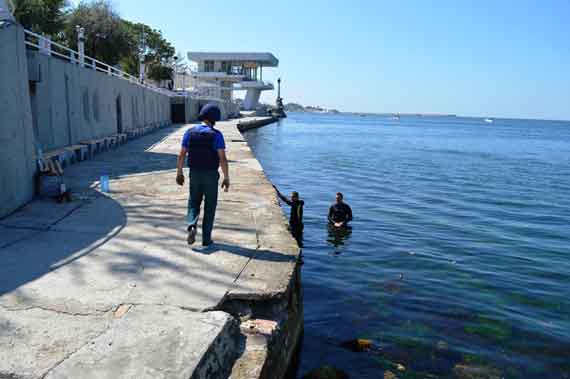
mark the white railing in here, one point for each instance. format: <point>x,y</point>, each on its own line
<point>204,90</point>
<point>48,47</point>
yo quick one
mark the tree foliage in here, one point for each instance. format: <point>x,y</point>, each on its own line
<point>41,16</point>
<point>156,51</point>
<point>106,35</point>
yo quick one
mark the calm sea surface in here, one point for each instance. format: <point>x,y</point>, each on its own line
<point>459,256</point>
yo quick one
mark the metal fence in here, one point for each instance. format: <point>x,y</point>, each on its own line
<point>48,47</point>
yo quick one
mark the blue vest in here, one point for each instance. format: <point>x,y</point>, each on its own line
<point>202,153</point>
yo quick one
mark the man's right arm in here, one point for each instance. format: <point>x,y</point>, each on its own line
<point>331,212</point>
<point>180,166</point>
<point>283,197</point>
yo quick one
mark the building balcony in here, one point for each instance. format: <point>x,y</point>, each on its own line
<point>224,76</point>
<point>254,84</point>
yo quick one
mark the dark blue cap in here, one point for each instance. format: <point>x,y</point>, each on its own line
<point>210,112</point>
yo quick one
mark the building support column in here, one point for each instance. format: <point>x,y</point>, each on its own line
<point>251,99</point>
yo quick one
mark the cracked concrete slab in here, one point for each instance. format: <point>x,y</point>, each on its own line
<point>75,265</point>
<point>33,341</point>
<point>156,342</point>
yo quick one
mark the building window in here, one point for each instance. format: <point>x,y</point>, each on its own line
<point>227,67</point>
<point>209,66</point>
<point>237,70</point>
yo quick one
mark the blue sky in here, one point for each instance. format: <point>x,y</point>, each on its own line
<point>481,58</point>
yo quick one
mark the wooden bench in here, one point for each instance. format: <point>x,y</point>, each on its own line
<point>111,141</point>
<point>62,156</point>
<point>122,138</point>
<point>77,153</point>
<point>95,146</point>
<point>133,133</point>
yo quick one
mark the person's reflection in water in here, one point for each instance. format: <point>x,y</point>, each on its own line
<point>338,236</point>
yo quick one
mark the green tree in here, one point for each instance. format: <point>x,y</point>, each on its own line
<point>41,16</point>
<point>108,38</point>
<point>106,35</point>
<point>156,51</point>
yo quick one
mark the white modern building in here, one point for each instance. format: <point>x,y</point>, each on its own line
<point>218,75</point>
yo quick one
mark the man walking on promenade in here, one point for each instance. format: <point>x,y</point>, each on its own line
<point>206,151</point>
<point>296,218</point>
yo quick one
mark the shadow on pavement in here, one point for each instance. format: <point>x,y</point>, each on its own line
<point>141,218</point>
<point>259,254</point>
<point>43,236</point>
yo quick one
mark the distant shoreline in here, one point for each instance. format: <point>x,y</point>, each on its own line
<point>433,115</point>
<point>294,107</point>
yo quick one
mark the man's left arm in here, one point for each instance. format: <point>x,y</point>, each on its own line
<point>349,213</point>
<point>221,148</point>
<point>180,166</point>
<point>225,169</point>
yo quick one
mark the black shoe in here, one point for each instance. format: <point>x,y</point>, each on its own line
<point>191,234</point>
<point>207,243</point>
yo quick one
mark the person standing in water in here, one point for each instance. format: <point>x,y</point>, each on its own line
<point>296,218</point>
<point>206,150</point>
<point>340,213</point>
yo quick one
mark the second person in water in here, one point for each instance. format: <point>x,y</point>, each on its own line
<point>296,225</point>
<point>340,213</point>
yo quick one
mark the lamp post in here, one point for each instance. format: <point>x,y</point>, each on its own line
<point>81,44</point>
<point>279,111</point>
<point>141,58</point>
<point>174,72</point>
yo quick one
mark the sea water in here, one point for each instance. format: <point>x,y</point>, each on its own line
<point>459,256</point>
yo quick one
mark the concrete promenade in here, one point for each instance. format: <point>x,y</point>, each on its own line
<point>107,287</point>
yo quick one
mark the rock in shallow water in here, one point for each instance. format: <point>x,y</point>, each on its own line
<point>466,371</point>
<point>326,372</point>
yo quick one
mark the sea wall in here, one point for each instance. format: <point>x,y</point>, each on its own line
<point>47,103</point>
<point>255,122</point>
<point>107,286</point>
<point>71,103</point>
<point>192,106</point>
<point>16,136</point>
<point>271,332</point>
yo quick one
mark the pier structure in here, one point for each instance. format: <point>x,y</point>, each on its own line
<point>219,74</point>
<point>107,287</point>
<point>104,285</point>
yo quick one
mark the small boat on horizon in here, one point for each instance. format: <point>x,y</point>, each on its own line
<point>489,120</point>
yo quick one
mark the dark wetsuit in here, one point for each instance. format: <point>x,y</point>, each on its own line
<point>296,218</point>
<point>340,213</point>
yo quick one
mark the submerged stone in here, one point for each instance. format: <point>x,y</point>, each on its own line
<point>489,328</point>
<point>358,345</point>
<point>466,371</point>
<point>326,372</point>
<point>442,345</point>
